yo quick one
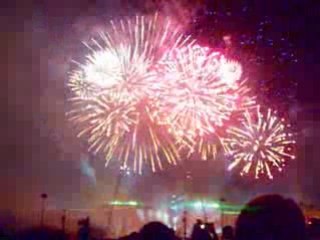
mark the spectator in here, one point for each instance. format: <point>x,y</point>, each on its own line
<point>212,231</point>
<point>84,229</point>
<point>203,231</point>
<point>41,234</point>
<point>196,231</point>
<point>271,217</point>
<point>314,229</point>
<point>227,233</point>
<point>156,231</point>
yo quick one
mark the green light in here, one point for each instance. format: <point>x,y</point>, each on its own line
<point>231,212</point>
<point>175,208</point>
<point>115,203</point>
<point>133,203</point>
<point>120,203</point>
<point>215,205</point>
<point>197,204</point>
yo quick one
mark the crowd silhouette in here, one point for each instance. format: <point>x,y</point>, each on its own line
<point>269,217</point>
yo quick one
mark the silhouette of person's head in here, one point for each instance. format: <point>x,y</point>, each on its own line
<point>271,217</point>
<point>227,233</point>
<point>132,236</point>
<point>156,231</point>
<point>199,222</point>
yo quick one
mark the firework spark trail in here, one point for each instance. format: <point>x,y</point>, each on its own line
<point>101,118</point>
<point>262,143</point>
<point>203,148</point>
<point>245,99</point>
<point>146,144</point>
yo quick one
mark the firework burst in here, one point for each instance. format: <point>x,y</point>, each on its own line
<point>122,59</point>
<point>198,92</point>
<point>262,143</point>
<point>110,91</point>
<point>82,88</point>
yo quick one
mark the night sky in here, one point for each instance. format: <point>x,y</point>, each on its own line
<point>39,152</point>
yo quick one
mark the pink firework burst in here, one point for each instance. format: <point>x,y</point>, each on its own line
<point>198,90</point>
